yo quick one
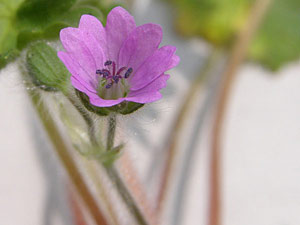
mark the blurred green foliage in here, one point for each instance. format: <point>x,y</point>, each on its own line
<point>218,21</point>
<point>278,39</point>
<point>8,32</point>
<point>25,21</point>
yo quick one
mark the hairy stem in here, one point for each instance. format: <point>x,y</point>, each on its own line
<point>238,54</point>
<point>64,155</point>
<point>117,180</point>
<point>112,120</point>
<point>89,121</point>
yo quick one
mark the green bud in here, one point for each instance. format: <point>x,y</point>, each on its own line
<point>123,108</point>
<point>46,69</point>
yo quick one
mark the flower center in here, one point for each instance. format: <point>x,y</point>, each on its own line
<point>113,82</point>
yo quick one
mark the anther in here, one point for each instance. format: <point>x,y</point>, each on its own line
<point>107,63</point>
<point>128,72</point>
<point>116,78</point>
<point>105,73</point>
<point>108,85</point>
<point>99,72</point>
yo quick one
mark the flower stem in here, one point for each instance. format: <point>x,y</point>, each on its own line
<point>238,54</point>
<point>64,155</point>
<point>111,171</point>
<point>112,120</point>
<point>87,119</point>
<point>172,141</point>
<point>117,180</point>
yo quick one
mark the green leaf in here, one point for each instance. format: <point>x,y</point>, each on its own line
<point>278,39</point>
<point>72,17</point>
<point>8,33</point>
<point>26,36</point>
<point>7,57</point>
<point>216,20</point>
<point>36,14</point>
<point>46,69</point>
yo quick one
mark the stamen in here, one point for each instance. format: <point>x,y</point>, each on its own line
<point>128,72</point>
<point>106,73</point>
<point>121,70</point>
<point>112,75</point>
<point>99,72</point>
<point>116,78</point>
<point>108,85</point>
<point>114,68</point>
<point>107,63</point>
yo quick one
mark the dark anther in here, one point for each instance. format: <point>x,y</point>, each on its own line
<point>105,73</point>
<point>128,72</point>
<point>108,85</point>
<point>99,72</point>
<point>107,63</point>
<point>116,78</point>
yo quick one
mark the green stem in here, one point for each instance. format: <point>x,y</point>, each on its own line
<point>112,120</point>
<point>89,121</point>
<point>68,162</point>
<point>111,171</point>
<point>125,195</point>
<point>117,180</point>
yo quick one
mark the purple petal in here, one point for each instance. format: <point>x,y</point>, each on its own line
<point>141,43</point>
<point>174,62</point>
<point>81,87</point>
<point>94,49</point>
<point>91,26</point>
<point>118,26</point>
<point>150,93</point>
<point>153,67</point>
<point>71,39</point>
<point>94,98</point>
<point>77,71</point>
<point>97,101</point>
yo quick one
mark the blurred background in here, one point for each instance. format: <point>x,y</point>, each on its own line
<point>221,147</point>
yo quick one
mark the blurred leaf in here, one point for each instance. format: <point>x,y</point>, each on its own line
<point>72,17</point>
<point>8,57</point>
<point>23,22</point>
<point>8,36</point>
<point>26,36</point>
<point>39,13</point>
<point>105,8</point>
<point>278,39</point>
<point>51,31</point>
<point>216,20</point>
<point>45,68</point>
<point>8,33</point>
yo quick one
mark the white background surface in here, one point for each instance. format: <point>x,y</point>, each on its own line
<point>261,158</point>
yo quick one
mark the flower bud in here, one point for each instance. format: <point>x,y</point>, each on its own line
<point>45,68</point>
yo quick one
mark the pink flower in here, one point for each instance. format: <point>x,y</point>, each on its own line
<point>119,62</point>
